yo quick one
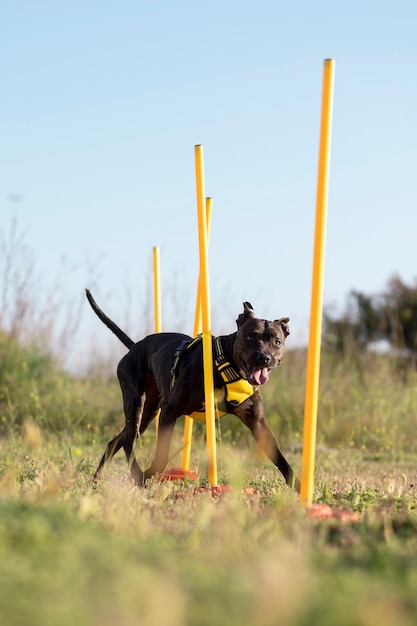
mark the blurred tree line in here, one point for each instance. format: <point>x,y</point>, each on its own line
<point>389,316</point>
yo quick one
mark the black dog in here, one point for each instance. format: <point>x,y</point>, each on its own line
<point>165,371</point>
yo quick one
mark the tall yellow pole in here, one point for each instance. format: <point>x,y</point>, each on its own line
<point>188,425</point>
<point>314,345</point>
<point>157,290</point>
<point>157,305</point>
<point>206,321</point>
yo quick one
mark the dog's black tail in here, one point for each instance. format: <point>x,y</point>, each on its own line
<point>127,341</point>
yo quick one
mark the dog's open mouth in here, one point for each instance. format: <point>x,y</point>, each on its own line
<point>257,376</point>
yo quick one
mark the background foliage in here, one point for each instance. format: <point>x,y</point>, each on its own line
<point>389,316</point>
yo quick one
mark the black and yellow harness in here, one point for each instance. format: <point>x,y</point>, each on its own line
<point>236,389</point>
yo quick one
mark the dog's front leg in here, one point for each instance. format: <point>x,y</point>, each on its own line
<point>252,415</point>
<point>268,443</point>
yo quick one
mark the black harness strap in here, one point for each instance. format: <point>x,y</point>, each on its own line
<point>184,345</point>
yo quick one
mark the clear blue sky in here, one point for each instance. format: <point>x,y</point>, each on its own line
<point>103,102</point>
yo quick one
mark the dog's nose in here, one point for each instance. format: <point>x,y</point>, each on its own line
<point>263,359</point>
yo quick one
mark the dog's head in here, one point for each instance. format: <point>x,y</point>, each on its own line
<point>259,345</point>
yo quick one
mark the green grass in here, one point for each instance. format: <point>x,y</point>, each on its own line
<point>71,553</point>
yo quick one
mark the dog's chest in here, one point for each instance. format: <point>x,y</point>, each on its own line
<point>227,398</point>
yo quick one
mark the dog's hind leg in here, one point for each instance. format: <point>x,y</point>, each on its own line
<point>166,427</point>
<point>133,407</point>
<point>112,447</point>
<point>126,440</point>
<point>151,408</point>
<point>132,384</point>
<point>133,400</point>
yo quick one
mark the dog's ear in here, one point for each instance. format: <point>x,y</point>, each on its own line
<point>246,315</point>
<point>283,322</point>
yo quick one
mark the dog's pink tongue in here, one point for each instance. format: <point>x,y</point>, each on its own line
<point>261,376</point>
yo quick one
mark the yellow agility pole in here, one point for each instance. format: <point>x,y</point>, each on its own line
<point>157,305</point>
<point>157,290</point>
<point>188,425</point>
<point>206,321</point>
<point>314,344</point>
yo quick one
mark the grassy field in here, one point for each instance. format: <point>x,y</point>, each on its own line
<point>72,553</point>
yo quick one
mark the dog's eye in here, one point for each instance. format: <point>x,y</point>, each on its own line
<point>249,337</point>
<point>278,341</point>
